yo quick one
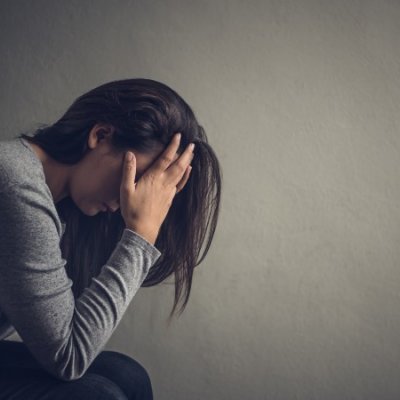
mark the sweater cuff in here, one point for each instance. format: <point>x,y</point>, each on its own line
<point>134,238</point>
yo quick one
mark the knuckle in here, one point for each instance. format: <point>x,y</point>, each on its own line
<point>166,159</point>
<point>151,178</point>
<point>181,167</point>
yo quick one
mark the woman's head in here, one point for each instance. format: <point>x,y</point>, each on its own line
<point>140,115</point>
<point>93,183</point>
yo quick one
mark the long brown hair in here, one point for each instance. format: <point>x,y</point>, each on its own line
<point>144,114</point>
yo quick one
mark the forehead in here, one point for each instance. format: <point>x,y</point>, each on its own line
<point>145,160</point>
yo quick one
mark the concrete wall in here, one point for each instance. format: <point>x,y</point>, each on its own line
<point>299,295</point>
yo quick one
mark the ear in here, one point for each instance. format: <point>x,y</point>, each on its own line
<point>100,131</point>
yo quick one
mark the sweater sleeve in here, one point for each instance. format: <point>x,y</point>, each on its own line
<point>64,334</point>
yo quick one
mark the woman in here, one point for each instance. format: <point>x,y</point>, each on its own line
<point>83,228</point>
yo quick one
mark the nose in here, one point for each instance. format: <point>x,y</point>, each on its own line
<point>114,206</point>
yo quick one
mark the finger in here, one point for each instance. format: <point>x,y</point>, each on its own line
<point>175,157</point>
<point>167,157</point>
<point>128,172</point>
<point>183,181</point>
<point>178,168</point>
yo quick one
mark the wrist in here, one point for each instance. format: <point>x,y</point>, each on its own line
<point>149,235</point>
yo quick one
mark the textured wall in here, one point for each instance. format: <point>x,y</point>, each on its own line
<point>299,295</point>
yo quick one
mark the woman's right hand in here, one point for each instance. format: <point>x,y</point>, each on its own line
<point>145,204</point>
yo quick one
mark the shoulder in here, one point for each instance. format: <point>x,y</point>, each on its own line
<point>18,163</point>
<point>24,194</point>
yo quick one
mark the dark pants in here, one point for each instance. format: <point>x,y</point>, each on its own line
<point>111,376</point>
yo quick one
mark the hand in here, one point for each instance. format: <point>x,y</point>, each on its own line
<point>145,204</point>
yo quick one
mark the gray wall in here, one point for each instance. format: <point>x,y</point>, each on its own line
<point>299,295</point>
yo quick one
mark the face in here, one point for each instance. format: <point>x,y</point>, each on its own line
<point>97,178</point>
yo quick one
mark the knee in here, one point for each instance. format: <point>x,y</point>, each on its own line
<point>127,366</point>
<point>93,386</point>
<point>128,373</point>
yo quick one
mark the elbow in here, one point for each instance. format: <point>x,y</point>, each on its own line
<point>71,364</point>
<point>71,371</point>
<point>65,362</point>
<point>67,371</point>
<point>67,375</point>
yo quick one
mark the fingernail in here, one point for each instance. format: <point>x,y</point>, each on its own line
<point>129,156</point>
<point>178,136</point>
<point>191,146</point>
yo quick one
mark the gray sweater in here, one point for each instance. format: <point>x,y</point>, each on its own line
<point>36,300</point>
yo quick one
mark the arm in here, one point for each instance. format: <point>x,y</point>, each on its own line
<point>63,334</point>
